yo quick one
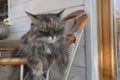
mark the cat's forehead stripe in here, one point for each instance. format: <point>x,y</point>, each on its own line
<point>49,21</point>
<point>51,24</point>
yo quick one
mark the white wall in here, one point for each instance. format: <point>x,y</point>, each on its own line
<point>20,24</point>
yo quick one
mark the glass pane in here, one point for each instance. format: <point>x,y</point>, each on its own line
<point>116,10</point>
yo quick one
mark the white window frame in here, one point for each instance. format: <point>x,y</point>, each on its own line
<point>9,13</point>
<point>92,70</point>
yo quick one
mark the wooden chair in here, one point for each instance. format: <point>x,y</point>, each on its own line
<point>80,18</point>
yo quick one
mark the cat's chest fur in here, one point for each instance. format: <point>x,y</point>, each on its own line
<point>53,48</point>
<point>52,44</point>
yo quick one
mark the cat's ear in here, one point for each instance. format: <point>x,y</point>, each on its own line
<point>60,13</point>
<point>31,16</point>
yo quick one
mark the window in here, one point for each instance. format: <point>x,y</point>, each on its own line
<point>116,37</point>
<point>4,11</point>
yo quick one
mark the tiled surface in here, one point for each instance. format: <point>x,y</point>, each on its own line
<point>5,72</point>
<point>79,60</point>
<point>77,73</point>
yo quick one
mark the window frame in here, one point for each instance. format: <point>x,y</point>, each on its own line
<point>92,71</point>
<point>9,13</point>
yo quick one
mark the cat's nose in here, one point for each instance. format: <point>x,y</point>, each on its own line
<point>52,34</point>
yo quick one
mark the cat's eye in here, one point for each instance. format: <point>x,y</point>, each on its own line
<point>58,28</point>
<point>44,29</point>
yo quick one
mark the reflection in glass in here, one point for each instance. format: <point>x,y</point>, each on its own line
<point>116,10</point>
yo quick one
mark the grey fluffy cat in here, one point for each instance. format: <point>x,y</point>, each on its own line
<point>44,46</point>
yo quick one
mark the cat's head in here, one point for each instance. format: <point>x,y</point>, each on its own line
<point>46,27</point>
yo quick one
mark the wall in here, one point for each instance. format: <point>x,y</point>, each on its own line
<point>20,24</point>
